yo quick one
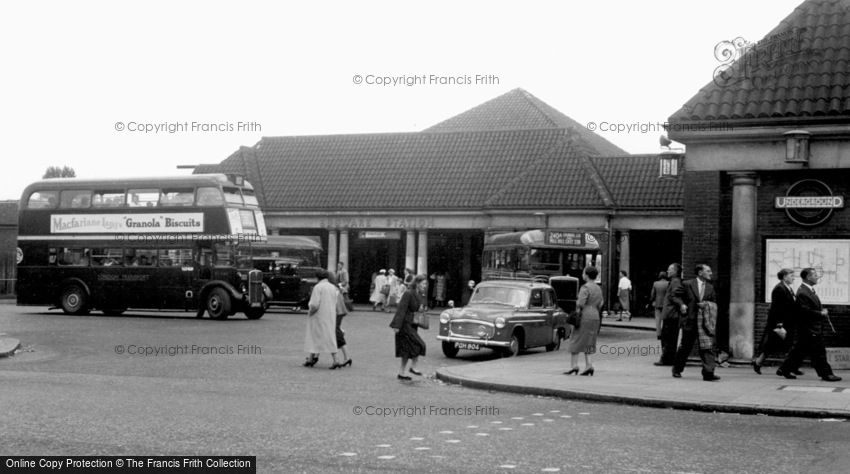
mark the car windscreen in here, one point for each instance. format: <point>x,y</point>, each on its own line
<point>500,295</point>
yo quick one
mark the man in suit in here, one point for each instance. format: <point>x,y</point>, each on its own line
<point>670,316</point>
<point>656,298</point>
<point>811,317</point>
<point>783,307</point>
<point>695,294</point>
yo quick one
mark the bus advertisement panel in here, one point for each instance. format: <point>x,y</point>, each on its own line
<point>143,243</point>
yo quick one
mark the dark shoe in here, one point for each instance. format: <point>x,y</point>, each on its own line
<point>311,362</point>
<point>710,378</point>
<point>404,377</point>
<point>756,367</point>
<point>797,372</point>
<point>572,371</point>
<point>662,364</point>
<point>346,363</point>
<point>588,371</point>
<point>335,366</point>
<point>831,378</point>
<point>677,375</point>
<point>787,375</point>
<point>414,371</point>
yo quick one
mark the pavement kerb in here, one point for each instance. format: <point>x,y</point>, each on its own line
<point>645,402</point>
<point>8,346</point>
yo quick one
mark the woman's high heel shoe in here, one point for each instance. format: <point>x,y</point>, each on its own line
<point>311,362</point>
<point>588,371</point>
<point>335,366</point>
<point>572,371</point>
<point>346,363</point>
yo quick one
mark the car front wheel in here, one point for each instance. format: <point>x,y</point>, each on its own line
<point>513,349</point>
<point>449,349</point>
<point>218,304</point>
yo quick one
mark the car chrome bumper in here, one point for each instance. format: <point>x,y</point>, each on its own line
<point>472,340</point>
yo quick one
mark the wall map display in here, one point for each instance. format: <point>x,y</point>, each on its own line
<point>831,258</point>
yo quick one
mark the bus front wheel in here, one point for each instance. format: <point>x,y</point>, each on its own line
<point>218,303</point>
<point>73,300</point>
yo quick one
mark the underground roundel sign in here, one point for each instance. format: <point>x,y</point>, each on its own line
<point>809,202</point>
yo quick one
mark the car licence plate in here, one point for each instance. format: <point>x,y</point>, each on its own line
<point>468,346</point>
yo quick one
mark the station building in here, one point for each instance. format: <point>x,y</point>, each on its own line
<point>767,170</point>
<point>426,200</point>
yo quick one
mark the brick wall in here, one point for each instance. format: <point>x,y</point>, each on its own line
<point>706,236</point>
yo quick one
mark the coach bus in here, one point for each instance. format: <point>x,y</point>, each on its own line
<point>289,264</point>
<point>177,243</point>
<point>538,254</point>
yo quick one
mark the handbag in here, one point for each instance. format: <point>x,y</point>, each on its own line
<point>385,290</point>
<point>421,320</point>
<point>574,319</point>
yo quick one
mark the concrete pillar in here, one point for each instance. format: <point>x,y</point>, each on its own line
<point>343,248</point>
<point>625,253</point>
<point>422,254</point>
<point>332,249</point>
<point>743,265</point>
<point>410,251</point>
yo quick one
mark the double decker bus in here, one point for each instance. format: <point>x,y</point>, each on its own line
<point>557,257</point>
<point>176,243</point>
<point>538,254</point>
<point>289,264</point>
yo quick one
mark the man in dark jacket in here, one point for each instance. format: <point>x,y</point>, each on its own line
<point>811,317</point>
<point>670,316</point>
<point>695,295</point>
<point>780,317</point>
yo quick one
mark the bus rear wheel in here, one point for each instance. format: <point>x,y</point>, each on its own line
<point>73,300</point>
<point>218,303</point>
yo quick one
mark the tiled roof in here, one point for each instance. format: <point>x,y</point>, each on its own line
<point>9,213</point>
<point>519,110</point>
<point>510,169</point>
<point>800,71</point>
<point>633,182</point>
<point>474,170</point>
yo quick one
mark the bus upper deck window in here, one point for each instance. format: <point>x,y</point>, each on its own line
<point>108,199</point>
<point>177,197</point>
<point>143,197</point>
<point>209,196</point>
<point>43,200</point>
<point>232,195</point>
<point>74,199</point>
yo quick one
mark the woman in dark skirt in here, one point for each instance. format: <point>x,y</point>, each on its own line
<point>408,344</point>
